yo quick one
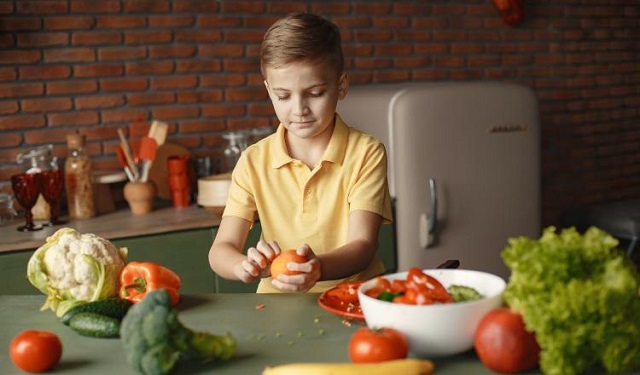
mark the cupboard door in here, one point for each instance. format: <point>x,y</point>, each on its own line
<point>13,273</point>
<point>232,286</point>
<point>185,252</point>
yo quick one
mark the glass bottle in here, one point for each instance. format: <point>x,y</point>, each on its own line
<point>236,143</point>
<point>39,160</point>
<point>78,179</point>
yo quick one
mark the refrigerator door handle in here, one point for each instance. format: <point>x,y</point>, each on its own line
<point>428,224</point>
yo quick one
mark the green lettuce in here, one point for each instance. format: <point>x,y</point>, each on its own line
<point>580,295</point>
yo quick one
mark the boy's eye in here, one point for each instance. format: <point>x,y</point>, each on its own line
<point>281,98</point>
<point>316,94</point>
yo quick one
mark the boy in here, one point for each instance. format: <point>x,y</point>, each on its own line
<point>317,185</point>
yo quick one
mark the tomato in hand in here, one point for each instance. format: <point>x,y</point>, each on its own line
<point>503,344</point>
<point>35,351</point>
<point>376,345</point>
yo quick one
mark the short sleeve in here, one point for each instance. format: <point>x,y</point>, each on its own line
<point>370,191</point>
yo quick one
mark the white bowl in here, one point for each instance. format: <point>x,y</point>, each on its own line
<point>440,329</point>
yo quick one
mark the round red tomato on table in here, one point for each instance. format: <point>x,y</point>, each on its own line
<point>376,345</point>
<point>35,351</point>
<point>503,344</point>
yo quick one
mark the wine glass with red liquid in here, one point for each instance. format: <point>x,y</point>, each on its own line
<point>26,188</point>
<point>51,185</point>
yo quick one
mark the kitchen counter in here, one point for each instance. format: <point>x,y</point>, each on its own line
<point>290,328</point>
<point>115,225</point>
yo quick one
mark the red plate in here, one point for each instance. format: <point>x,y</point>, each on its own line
<point>342,300</point>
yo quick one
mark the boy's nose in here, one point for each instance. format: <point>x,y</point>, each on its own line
<point>300,107</point>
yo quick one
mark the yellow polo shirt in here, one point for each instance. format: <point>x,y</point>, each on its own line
<point>297,205</point>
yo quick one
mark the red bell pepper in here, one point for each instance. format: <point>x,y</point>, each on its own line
<point>138,278</point>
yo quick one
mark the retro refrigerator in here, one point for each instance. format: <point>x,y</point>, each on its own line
<point>464,167</point>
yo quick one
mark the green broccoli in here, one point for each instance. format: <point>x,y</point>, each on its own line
<point>579,294</point>
<point>155,341</point>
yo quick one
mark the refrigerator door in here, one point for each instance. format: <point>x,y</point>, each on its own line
<point>479,143</point>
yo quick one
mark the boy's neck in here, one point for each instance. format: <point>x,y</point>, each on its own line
<point>309,150</point>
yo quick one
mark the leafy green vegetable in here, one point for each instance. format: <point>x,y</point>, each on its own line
<point>155,341</point>
<point>388,296</point>
<point>579,294</point>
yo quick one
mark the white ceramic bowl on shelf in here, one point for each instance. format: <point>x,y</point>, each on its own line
<point>441,329</point>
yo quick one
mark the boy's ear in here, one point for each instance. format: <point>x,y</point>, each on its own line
<point>266,84</point>
<point>343,86</point>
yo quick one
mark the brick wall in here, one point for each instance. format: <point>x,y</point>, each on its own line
<point>95,66</point>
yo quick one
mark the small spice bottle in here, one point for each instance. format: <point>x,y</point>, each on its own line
<point>78,179</point>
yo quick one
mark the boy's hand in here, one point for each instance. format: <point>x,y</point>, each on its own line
<point>305,280</point>
<point>257,262</point>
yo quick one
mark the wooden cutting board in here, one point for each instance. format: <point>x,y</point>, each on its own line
<point>159,173</point>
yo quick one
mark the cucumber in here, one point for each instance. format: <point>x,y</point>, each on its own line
<point>95,325</point>
<point>111,307</point>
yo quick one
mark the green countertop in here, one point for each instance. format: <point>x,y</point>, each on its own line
<point>290,328</point>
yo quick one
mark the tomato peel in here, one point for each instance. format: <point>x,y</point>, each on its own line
<point>35,351</point>
<point>377,345</point>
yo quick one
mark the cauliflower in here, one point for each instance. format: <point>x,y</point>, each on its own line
<point>71,268</point>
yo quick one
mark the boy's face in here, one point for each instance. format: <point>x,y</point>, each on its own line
<point>305,97</point>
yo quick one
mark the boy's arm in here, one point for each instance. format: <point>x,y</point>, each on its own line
<point>226,250</point>
<point>357,253</point>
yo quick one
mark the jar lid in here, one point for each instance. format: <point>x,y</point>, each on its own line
<point>75,140</point>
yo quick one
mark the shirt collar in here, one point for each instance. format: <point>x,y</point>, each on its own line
<point>334,152</point>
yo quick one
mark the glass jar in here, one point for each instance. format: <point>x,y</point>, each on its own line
<point>78,179</point>
<point>7,212</point>
<point>236,143</point>
<point>35,161</point>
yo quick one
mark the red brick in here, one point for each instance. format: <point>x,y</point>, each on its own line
<point>8,74</point>
<point>48,135</point>
<point>73,118</point>
<point>246,123</point>
<point>20,57</point>
<point>124,84</point>
<point>222,110</point>
<point>260,22</point>
<point>199,36</point>
<point>18,90</point>
<point>391,76</point>
<point>17,23</point>
<point>44,72</point>
<point>373,63</point>
<point>150,6</point>
<point>124,115</point>
<point>92,6</point>
<point>393,49</point>
<point>6,7</point>
<point>197,6</point>
<point>244,36</point>
<point>182,51</point>
<point>10,140</point>
<point>285,7</point>
<point>198,66</point>
<point>21,122</point>
<point>121,22</point>
<point>261,109</point>
<point>122,53</point>
<point>243,7</point>
<point>8,107</point>
<point>146,98</point>
<point>42,39</point>
<point>174,82</point>
<point>45,105</point>
<point>222,80</point>
<point>98,70</point>
<point>42,7</point>
<point>225,50</point>
<point>201,126</point>
<point>69,23</point>
<point>71,87</point>
<point>171,22</point>
<point>147,37</point>
<point>150,68</point>
<point>208,96</point>
<point>6,41</point>
<point>241,65</point>
<point>219,22</point>
<point>411,62</point>
<point>69,55</point>
<point>99,101</point>
<point>175,112</point>
<point>95,38</point>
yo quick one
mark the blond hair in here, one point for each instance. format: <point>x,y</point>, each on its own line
<point>302,37</point>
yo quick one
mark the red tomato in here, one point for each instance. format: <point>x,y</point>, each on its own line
<point>35,351</point>
<point>377,345</point>
<point>503,344</point>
